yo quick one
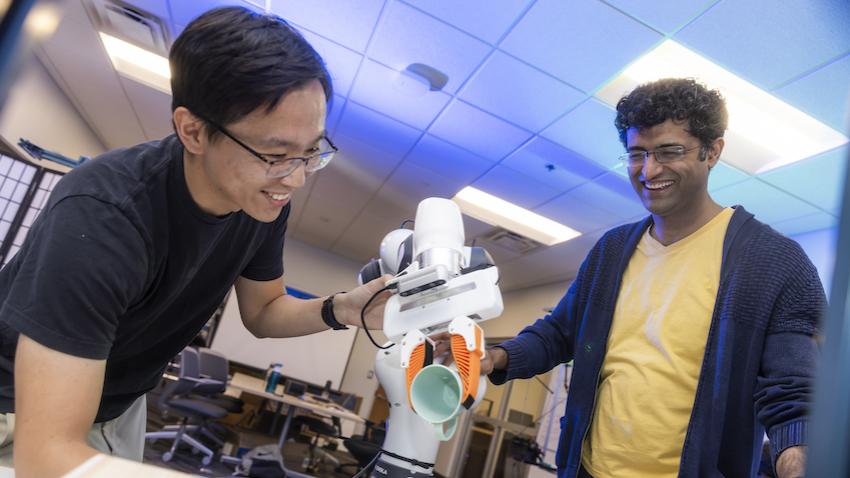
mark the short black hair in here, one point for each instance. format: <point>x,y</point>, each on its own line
<point>230,61</point>
<point>679,99</point>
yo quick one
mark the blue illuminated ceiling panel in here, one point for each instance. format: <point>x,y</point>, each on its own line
<point>589,130</point>
<point>478,131</point>
<point>445,158</point>
<point>406,35</point>
<point>467,15</point>
<point>341,62</point>
<point>552,164</point>
<point>666,16</point>
<point>823,93</point>
<point>377,130</point>
<point>768,42</point>
<point>817,180</point>
<point>768,203</point>
<point>583,42</point>
<point>509,88</point>
<point>347,23</point>
<point>515,187</point>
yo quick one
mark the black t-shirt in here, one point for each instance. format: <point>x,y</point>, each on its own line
<point>123,265</point>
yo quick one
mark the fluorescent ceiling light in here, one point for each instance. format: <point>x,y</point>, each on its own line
<point>137,63</point>
<point>764,132</point>
<point>498,212</point>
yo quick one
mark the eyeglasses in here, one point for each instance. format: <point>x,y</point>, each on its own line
<point>281,167</point>
<point>666,154</point>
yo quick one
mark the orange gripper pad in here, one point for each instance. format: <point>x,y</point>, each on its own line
<point>468,365</point>
<point>415,364</point>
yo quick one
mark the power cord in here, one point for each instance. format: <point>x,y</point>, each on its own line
<point>363,317</point>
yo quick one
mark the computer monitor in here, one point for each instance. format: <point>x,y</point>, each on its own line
<point>294,387</point>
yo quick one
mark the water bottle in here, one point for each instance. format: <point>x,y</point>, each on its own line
<point>272,377</point>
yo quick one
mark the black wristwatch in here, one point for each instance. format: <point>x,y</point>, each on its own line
<point>328,314</point>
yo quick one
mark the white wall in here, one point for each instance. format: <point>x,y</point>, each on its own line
<point>315,358</point>
<point>820,246</point>
<point>36,109</point>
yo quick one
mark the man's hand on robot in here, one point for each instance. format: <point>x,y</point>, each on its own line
<point>442,352</point>
<point>347,306</point>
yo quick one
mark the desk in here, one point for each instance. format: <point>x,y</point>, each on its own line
<point>256,386</point>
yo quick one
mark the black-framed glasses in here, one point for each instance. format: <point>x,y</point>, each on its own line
<point>663,155</point>
<point>281,166</point>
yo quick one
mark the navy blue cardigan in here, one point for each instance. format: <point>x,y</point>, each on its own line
<point>759,358</point>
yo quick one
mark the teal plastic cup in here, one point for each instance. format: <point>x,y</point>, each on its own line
<point>436,397</point>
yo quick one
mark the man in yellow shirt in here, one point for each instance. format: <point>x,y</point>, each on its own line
<point>692,331</point>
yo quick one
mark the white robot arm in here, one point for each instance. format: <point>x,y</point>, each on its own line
<point>440,285</point>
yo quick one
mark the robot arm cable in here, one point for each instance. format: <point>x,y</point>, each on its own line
<point>363,316</point>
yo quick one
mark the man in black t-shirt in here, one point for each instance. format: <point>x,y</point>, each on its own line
<point>136,248</point>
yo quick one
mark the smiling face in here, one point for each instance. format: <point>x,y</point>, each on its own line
<point>224,177</point>
<point>677,189</point>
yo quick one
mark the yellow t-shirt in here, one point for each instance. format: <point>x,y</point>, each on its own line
<point>655,348</point>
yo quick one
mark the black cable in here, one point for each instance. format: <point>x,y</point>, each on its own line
<point>404,223</point>
<point>363,317</point>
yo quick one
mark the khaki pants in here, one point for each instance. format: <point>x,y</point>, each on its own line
<point>122,437</point>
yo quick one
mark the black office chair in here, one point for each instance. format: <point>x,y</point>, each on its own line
<point>195,413</point>
<point>215,366</point>
<point>364,448</point>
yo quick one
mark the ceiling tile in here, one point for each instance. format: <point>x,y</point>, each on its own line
<point>546,265</point>
<point>377,130</point>
<point>818,180</point>
<point>347,22</point>
<point>76,51</point>
<point>770,44</point>
<point>406,36</point>
<point>520,93</point>
<point>612,193</point>
<point>582,42</point>
<point>824,94</point>
<point>411,183</point>
<point>666,16</point>
<point>298,201</point>
<point>183,12</point>
<point>447,159</point>
<point>363,237</point>
<point>800,225</point>
<point>376,87</point>
<point>552,164</point>
<point>341,62</point>
<point>334,112</point>
<point>723,175</point>
<point>152,107</point>
<point>359,158</point>
<point>323,221</point>
<point>478,131</point>
<point>768,203</point>
<point>589,131</point>
<point>351,187</point>
<point>582,216</point>
<point>515,187</point>
<point>467,15</point>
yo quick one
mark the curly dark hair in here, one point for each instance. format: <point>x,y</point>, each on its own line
<point>230,61</point>
<point>679,99</point>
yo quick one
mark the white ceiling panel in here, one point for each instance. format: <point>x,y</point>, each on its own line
<point>723,175</point>
<point>334,112</point>
<point>559,262</point>
<point>478,131</point>
<point>589,131</point>
<point>152,107</point>
<point>799,35</point>
<point>447,159</point>
<point>411,183</point>
<point>376,130</point>
<point>515,187</point>
<point>347,22</point>
<point>666,16</point>
<point>578,214</point>
<point>377,86</point>
<point>406,36</point>
<point>346,184</point>
<point>552,164</point>
<point>612,193</point>
<point>341,62</point>
<point>768,203</point>
<point>818,180</point>
<point>582,42</point>
<point>466,15</point>
<point>523,94</point>
<point>363,159</point>
<point>363,236</point>
<point>183,11</point>
<point>823,93</point>
<point>812,222</point>
<point>75,52</point>
<point>323,221</point>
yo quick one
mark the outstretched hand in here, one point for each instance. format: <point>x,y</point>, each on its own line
<point>349,305</point>
<point>443,348</point>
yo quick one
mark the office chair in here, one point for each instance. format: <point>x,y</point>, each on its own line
<point>364,448</point>
<point>174,399</point>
